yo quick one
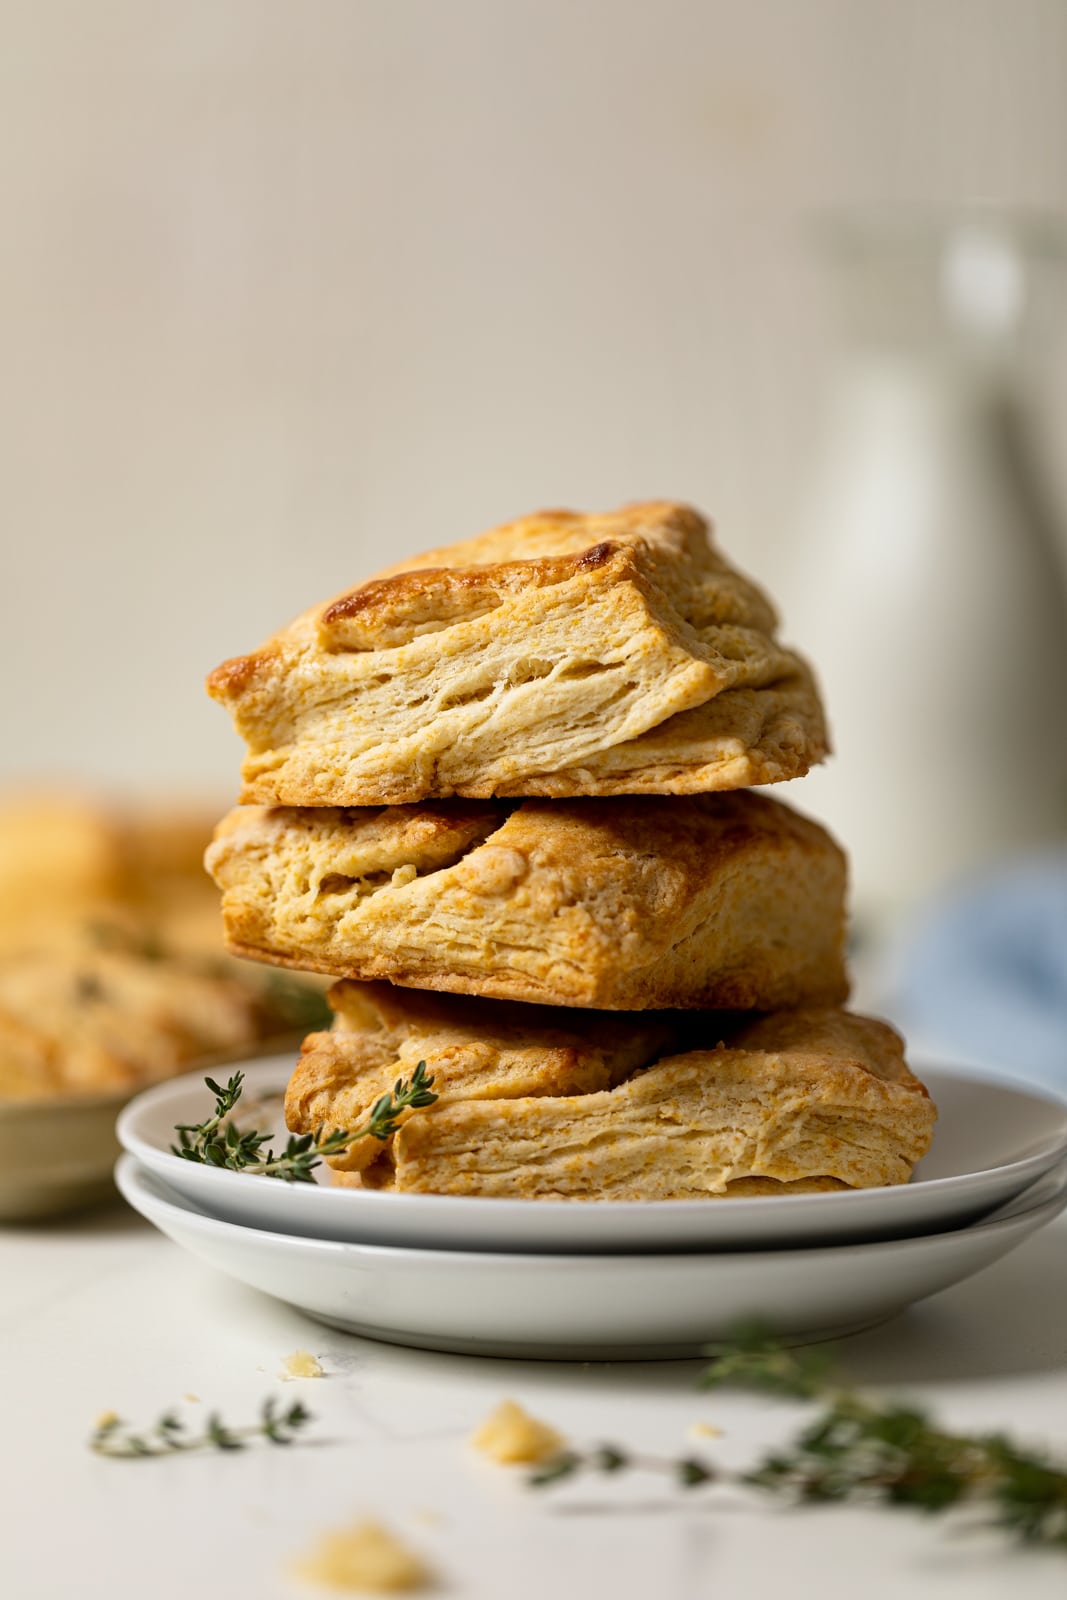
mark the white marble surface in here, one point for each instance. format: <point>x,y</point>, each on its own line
<point>103,1313</point>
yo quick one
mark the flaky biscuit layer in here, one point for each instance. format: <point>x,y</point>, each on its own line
<point>471,1048</point>
<point>562,654</point>
<point>727,901</point>
<point>810,1097</point>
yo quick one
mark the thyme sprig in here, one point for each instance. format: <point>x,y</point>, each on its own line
<point>217,1142</point>
<point>687,1471</point>
<point>113,1437</point>
<point>861,1448</point>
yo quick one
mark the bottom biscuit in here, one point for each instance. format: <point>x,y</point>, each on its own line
<point>381,1178</point>
<point>668,1108</point>
<point>473,1049</point>
<point>813,1095</point>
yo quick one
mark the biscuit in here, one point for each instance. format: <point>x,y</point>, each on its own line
<point>93,1017</point>
<point>559,655</point>
<point>477,1049</point>
<point>60,860</point>
<point>797,1100</point>
<point>67,861</point>
<point>728,901</point>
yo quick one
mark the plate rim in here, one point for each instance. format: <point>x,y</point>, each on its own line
<point>129,1172</point>
<point>370,1201</point>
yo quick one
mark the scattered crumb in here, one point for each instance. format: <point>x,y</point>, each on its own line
<point>705,1430</point>
<point>302,1364</point>
<point>365,1558</point>
<point>427,1519</point>
<point>511,1434</point>
<point>107,1419</point>
<point>191,1399</point>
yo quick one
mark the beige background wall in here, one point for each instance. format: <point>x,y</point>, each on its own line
<point>289,289</point>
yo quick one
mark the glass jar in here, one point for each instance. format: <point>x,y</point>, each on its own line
<point>925,577</point>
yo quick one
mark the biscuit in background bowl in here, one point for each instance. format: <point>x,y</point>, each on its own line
<point>112,977</point>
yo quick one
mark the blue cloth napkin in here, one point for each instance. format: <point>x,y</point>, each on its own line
<point>984,972</point>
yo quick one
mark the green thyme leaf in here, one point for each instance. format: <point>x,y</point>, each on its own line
<point>113,1437</point>
<point>216,1142</point>
<point>860,1449</point>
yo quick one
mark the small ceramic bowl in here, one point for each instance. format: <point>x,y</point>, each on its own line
<point>58,1153</point>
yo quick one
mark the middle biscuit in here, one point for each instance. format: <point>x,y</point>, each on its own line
<point>713,901</point>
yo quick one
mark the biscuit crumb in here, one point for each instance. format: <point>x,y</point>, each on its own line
<point>366,1558</point>
<point>107,1419</point>
<point>510,1434</point>
<point>705,1430</point>
<point>302,1364</point>
<point>191,1399</point>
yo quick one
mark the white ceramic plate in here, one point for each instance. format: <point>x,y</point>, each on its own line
<point>992,1140</point>
<point>589,1306</point>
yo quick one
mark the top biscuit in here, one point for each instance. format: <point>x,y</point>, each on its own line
<point>560,655</point>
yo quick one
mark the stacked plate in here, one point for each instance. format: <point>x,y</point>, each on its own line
<point>624,1280</point>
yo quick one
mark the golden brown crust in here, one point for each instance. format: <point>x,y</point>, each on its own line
<point>561,654</point>
<point>393,610</point>
<point>814,1096</point>
<point>730,901</point>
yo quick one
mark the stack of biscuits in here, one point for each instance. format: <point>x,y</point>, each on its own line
<point>504,792</point>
